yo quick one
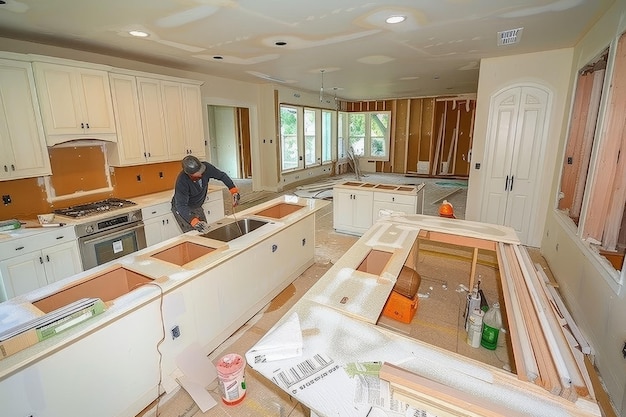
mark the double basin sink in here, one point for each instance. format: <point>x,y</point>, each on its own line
<point>118,280</point>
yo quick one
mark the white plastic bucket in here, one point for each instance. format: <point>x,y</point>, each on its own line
<point>232,379</point>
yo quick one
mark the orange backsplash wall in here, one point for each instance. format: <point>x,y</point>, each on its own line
<point>83,168</point>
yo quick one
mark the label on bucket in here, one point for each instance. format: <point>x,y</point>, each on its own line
<point>232,381</point>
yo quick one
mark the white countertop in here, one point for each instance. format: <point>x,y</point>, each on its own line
<point>166,275</point>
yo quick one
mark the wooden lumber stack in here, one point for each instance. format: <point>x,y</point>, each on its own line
<point>550,356</point>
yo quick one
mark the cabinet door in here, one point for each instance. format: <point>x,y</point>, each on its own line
<point>59,98</point>
<point>130,149</point>
<point>174,119</point>
<point>213,210</point>
<point>23,151</point>
<point>153,231</point>
<point>96,101</point>
<point>352,210</point>
<point>152,118</point>
<point>194,128</point>
<point>22,274</point>
<point>170,226</point>
<point>61,261</point>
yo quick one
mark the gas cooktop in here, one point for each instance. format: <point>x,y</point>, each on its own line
<point>98,207</point>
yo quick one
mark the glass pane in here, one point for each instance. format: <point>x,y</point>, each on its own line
<point>327,136</point>
<point>309,137</point>
<point>341,143</point>
<point>288,138</point>
<point>379,128</point>
<point>357,133</point>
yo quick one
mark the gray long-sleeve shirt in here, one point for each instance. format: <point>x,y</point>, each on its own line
<point>189,194</point>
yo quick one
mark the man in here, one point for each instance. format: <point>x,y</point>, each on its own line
<point>190,192</point>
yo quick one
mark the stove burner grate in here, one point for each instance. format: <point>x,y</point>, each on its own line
<point>82,210</point>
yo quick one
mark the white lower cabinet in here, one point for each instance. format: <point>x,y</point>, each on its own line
<point>357,206</point>
<point>159,223</point>
<point>120,358</point>
<point>352,210</point>
<point>214,206</point>
<point>33,262</point>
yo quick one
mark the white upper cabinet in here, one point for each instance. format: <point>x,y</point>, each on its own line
<point>23,151</point>
<point>157,119</point>
<point>75,102</point>
<point>130,148</point>
<point>183,116</point>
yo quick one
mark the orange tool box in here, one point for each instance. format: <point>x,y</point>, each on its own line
<point>402,302</point>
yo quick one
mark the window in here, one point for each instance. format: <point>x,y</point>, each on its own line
<point>307,136</point>
<point>327,136</point>
<point>289,138</point>
<point>368,133</point>
<point>592,191</point>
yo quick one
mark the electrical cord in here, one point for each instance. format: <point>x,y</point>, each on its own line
<point>158,345</point>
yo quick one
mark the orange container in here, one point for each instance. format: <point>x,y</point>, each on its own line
<point>401,308</point>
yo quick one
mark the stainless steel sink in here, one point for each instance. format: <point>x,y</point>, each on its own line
<point>233,230</point>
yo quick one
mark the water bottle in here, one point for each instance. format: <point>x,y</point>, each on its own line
<point>491,327</point>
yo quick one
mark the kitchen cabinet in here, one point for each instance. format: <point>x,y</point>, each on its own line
<point>182,109</point>
<point>356,205</point>
<point>153,119</point>
<point>75,102</point>
<point>395,202</point>
<point>159,223</point>
<point>32,262</point>
<point>23,151</point>
<point>131,147</point>
<point>352,210</point>
<point>214,206</point>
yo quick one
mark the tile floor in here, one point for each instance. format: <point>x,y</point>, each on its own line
<point>439,319</point>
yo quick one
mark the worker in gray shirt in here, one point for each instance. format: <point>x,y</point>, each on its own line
<point>190,191</point>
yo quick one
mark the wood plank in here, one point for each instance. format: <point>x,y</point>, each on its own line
<point>442,397</point>
<point>603,399</point>
<point>523,354</point>
<point>467,241</point>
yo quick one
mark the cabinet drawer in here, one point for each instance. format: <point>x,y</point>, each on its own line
<point>37,241</point>
<point>395,198</point>
<point>156,210</point>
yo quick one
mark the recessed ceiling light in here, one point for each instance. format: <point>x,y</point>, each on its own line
<point>138,33</point>
<point>280,43</point>
<point>395,19</point>
<point>218,57</point>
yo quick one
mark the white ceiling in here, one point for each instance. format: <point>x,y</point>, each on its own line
<point>436,51</point>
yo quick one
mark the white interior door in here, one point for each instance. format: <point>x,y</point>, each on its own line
<point>515,145</point>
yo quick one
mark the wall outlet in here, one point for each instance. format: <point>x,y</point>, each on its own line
<point>6,199</point>
<point>175,332</point>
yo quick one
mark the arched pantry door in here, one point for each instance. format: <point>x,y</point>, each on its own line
<point>516,138</point>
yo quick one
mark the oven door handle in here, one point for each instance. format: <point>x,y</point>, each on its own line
<point>108,235</point>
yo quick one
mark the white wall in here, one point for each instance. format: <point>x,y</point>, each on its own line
<point>586,281</point>
<point>551,69</point>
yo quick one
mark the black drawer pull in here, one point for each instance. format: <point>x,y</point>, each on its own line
<point>20,248</point>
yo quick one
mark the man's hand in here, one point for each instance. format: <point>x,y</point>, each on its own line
<point>200,225</point>
<point>236,198</point>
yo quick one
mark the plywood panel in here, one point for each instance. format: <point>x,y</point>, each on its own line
<point>28,198</point>
<point>415,134</point>
<point>77,169</point>
<point>401,136</point>
<point>464,140</point>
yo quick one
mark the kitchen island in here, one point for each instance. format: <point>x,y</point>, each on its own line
<point>337,318</point>
<point>115,363</point>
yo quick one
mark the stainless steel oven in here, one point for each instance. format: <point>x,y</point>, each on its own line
<point>103,240</point>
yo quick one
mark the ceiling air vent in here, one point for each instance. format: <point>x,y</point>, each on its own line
<point>509,37</point>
